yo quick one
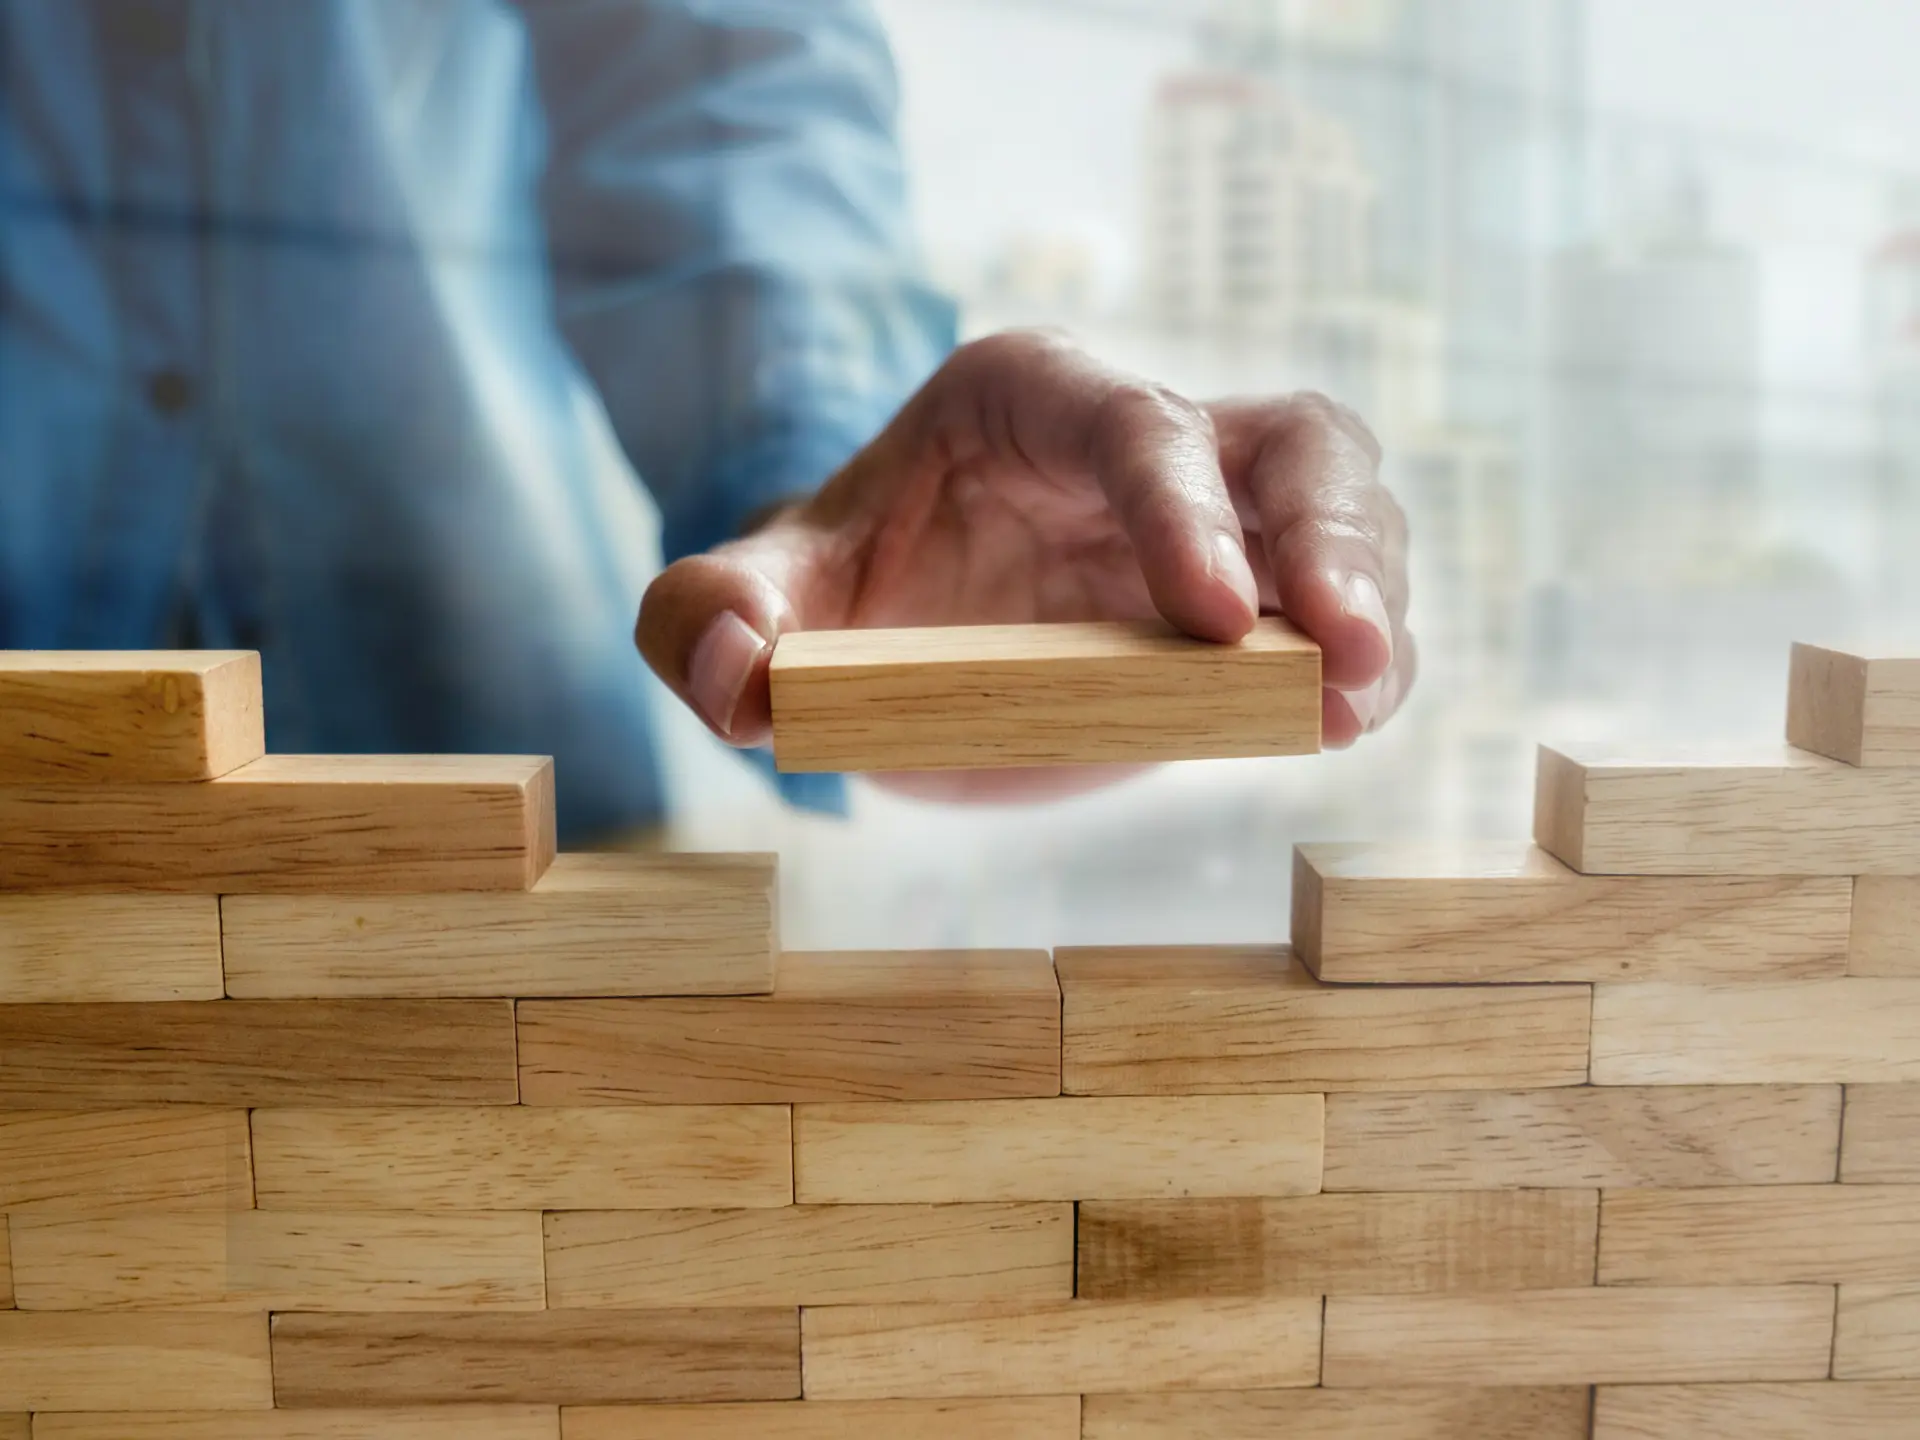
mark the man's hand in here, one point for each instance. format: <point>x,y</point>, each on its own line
<point>1029,482</point>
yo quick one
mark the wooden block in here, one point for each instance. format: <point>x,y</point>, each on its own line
<point>257,1052</point>
<point>1860,708</point>
<point>1766,810</point>
<point>92,949</point>
<point>1508,912</point>
<point>1580,1337</point>
<point>86,716</point>
<point>134,1362</point>
<point>113,1161</point>
<point>20,1427</point>
<point>809,1255</point>
<point>1886,927</point>
<point>1619,1137</point>
<point>1879,1333</point>
<point>984,696</point>
<point>1342,1415</point>
<point>328,823</point>
<point>1043,1417</point>
<point>1063,1149</point>
<point>594,925</point>
<point>1225,1020</point>
<point>1882,1135</point>
<point>442,1422</point>
<point>1784,1234</point>
<point>273,1260</point>
<point>934,1025</point>
<point>514,1158</point>
<point>575,1357</point>
<point>1852,1031</point>
<point>1088,1347</point>
<point>1822,1410</point>
<point>1337,1244</point>
<point>6,1265</point>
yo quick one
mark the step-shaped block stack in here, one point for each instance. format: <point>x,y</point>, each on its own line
<point>332,1107</point>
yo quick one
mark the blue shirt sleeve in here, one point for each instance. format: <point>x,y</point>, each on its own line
<point>726,215</point>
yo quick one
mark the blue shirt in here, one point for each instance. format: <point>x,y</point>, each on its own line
<point>320,321</point>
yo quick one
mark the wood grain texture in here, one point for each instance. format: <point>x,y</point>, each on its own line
<point>94,949</point>
<point>134,1362</point>
<point>932,1025</point>
<point>810,1255</point>
<point>1851,1030</point>
<point>1886,927</point>
<point>1070,1148</point>
<point>6,1264</point>
<point>300,823</point>
<point>443,1422</point>
<point>1766,810</point>
<point>1438,1414</point>
<point>515,1158</point>
<point>106,1162</point>
<point>1857,707</point>
<point>571,1357</point>
<point>1043,1417</point>
<point>86,716</point>
<point>257,1052</point>
<point>16,1427</point>
<point>594,925</point>
<point>1580,1337</point>
<point>977,697</point>
<point>1821,1410</point>
<point>272,1260</point>
<point>1338,1244</point>
<point>1879,1333</point>
<point>1410,914</point>
<point>1619,1137</point>
<point>1782,1234</point>
<point>1882,1136</point>
<point>1085,1347</point>
<point>1225,1020</point>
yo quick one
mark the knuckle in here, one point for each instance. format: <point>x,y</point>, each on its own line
<point>1135,404</point>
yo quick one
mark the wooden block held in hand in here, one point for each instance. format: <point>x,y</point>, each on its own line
<point>1819,1410</point>
<point>1863,709</point>
<point>1883,1135</point>
<point>809,1255</point>
<point>1821,1031</point>
<point>1616,1137</point>
<point>1580,1337</point>
<point>440,1422</point>
<point>885,1025</point>
<point>1233,1020</point>
<point>257,1052</point>
<point>1885,939</point>
<point>92,949</point>
<point>1439,1414</point>
<point>517,1158</point>
<point>255,1260</point>
<point>1083,1347</point>
<point>572,1357</point>
<point>977,697</point>
<point>291,823</point>
<point>1042,1417</point>
<point>116,1161</point>
<point>594,925</point>
<point>1779,1235</point>
<point>1062,1149</point>
<point>86,716</point>
<point>134,1362</point>
<point>1767,810</point>
<point>1337,1244</point>
<point>1879,1333</point>
<point>1408,914</point>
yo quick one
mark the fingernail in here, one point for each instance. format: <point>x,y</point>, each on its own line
<point>1365,704</point>
<point>1363,601</point>
<point>1228,564</point>
<point>721,666</point>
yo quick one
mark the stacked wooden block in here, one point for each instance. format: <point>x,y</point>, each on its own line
<point>333,1108</point>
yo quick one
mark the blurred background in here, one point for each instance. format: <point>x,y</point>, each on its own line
<point>1629,290</point>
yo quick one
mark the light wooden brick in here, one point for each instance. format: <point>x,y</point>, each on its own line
<point>1784,1234</point>
<point>810,1255</point>
<point>1675,1136</point>
<point>444,1422</point>
<point>516,1158</point>
<point>111,1161</point>
<point>1885,939</point>
<point>134,1362</point>
<point>1237,1020</point>
<point>1062,1149</point>
<point>1083,1347</point>
<point>1823,1410</point>
<point>93,949</point>
<point>1882,1135</point>
<point>1854,706</point>
<point>954,1025</point>
<point>1044,1417</point>
<point>16,1427</point>
<point>1443,1414</point>
<point>1879,1335</point>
